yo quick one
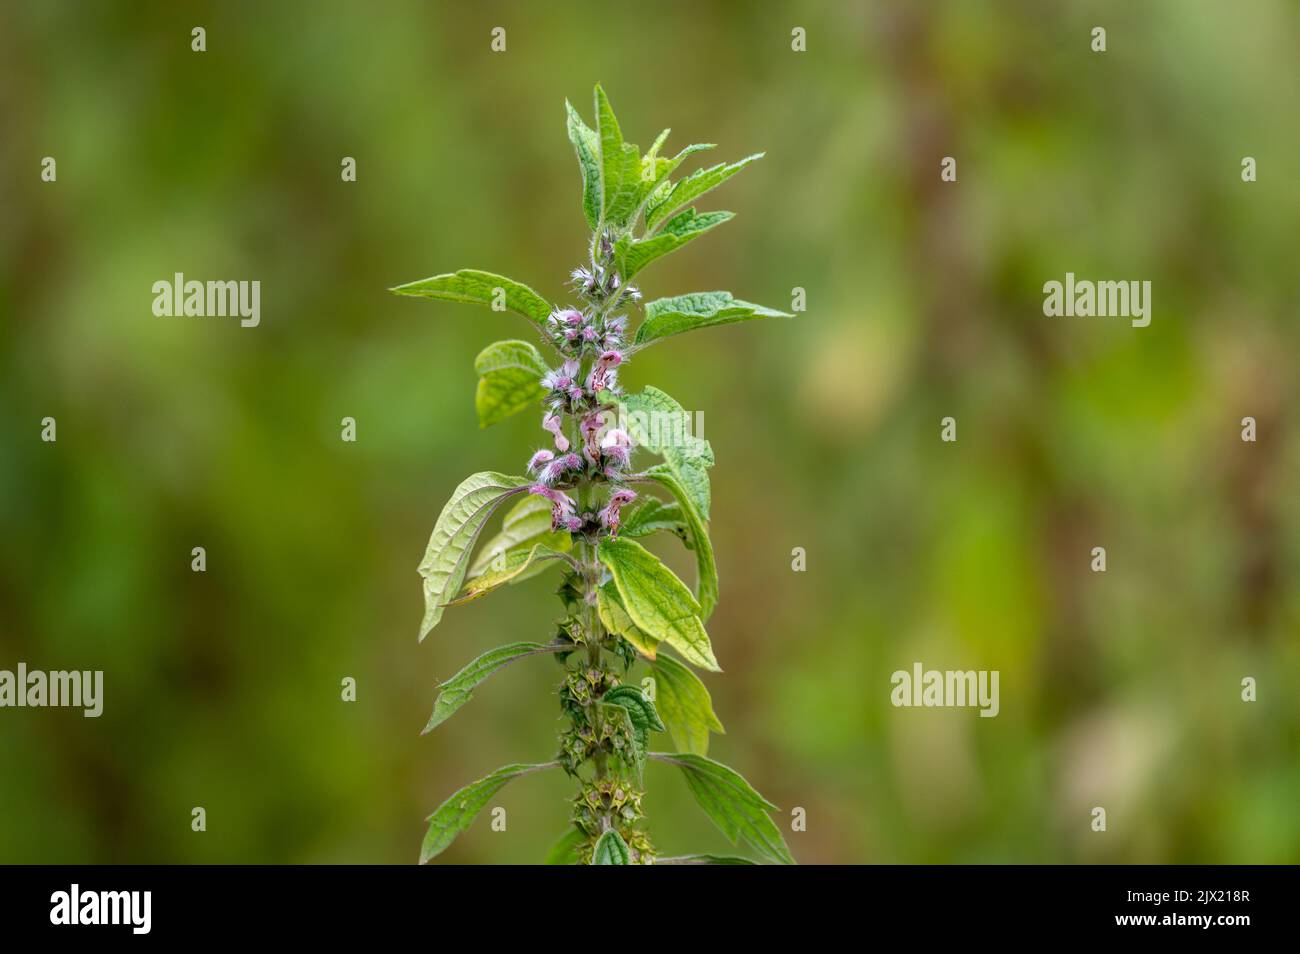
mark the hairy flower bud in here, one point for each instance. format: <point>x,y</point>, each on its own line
<point>552,471</point>
<point>537,460</point>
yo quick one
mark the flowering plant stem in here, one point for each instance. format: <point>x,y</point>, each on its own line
<point>575,508</point>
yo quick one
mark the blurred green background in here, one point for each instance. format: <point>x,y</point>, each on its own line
<point>1119,689</point>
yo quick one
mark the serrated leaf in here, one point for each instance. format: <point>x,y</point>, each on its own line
<point>672,316</point>
<point>687,190</point>
<point>565,849</point>
<point>658,602</point>
<point>459,689</point>
<point>620,165</point>
<point>706,569</point>
<point>651,515</point>
<point>659,424</point>
<point>633,255</point>
<point>526,523</point>
<point>656,174</point>
<point>587,147</point>
<point>733,804</point>
<point>615,619</point>
<point>611,849</point>
<point>510,375</point>
<point>641,711</point>
<point>706,860</point>
<point>684,705</point>
<point>447,556</point>
<point>457,813</point>
<point>479,288</point>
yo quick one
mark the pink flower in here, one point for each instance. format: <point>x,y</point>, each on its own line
<point>563,509</point>
<point>552,423</point>
<point>557,467</point>
<point>609,514</point>
<point>602,372</point>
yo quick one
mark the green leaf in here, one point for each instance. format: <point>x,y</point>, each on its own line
<point>480,288</point>
<point>620,164</point>
<point>650,515</point>
<point>684,705</point>
<point>655,170</point>
<point>660,425</point>
<point>587,147</point>
<point>457,813</point>
<point>517,564</point>
<point>611,850</point>
<point>706,569</point>
<point>658,602</point>
<point>462,519</point>
<point>510,375</point>
<point>641,711</point>
<point>615,619</point>
<point>633,255</point>
<point>691,188</point>
<point>458,690</point>
<point>705,860</point>
<point>526,523</point>
<point>672,316</point>
<point>732,803</point>
<point>565,850</point>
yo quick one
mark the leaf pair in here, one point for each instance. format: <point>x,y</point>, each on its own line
<point>617,182</point>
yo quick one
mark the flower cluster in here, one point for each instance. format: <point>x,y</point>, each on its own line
<point>579,333</point>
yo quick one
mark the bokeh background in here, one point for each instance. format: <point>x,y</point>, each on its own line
<point>1119,689</point>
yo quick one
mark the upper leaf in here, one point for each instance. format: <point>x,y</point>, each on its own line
<point>706,569</point>
<point>462,519</point>
<point>659,424</point>
<point>526,523</point>
<point>458,690</point>
<point>684,705</point>
<point>687,190</point>
<point>620,164</point>
<point>516,564</point>
<point>732,803</point>
<point>671,316</point>
<point>658,602</point>
<point>456,813</point>
<point>611,849</point>
<point>633,255</point>
<point>650,515</point>
<point>510,380</point>
<point>480,288</point>
<point>587,146</point>
<point>615,619</point>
